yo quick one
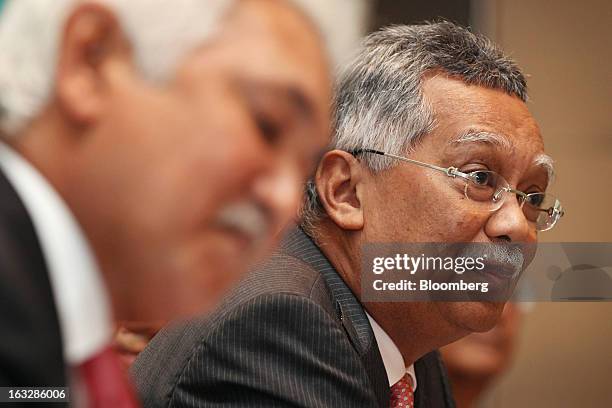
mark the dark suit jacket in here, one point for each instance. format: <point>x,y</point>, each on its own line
<point>291,335</point>
<point>30,342</point>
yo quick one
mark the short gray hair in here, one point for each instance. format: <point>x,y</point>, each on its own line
<point>379,102</point>
<point>161,33</point>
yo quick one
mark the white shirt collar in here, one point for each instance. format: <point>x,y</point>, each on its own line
<point>78,289</point>
<point>391,356</point>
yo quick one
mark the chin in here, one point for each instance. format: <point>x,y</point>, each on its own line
<point>472,316</point>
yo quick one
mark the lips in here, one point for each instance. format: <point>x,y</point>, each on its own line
<point>242,240</point>
<point>501,270</point>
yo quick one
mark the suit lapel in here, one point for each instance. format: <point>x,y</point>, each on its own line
<point>433,388</point>
<point>347,308</point>
<point>33,353</point>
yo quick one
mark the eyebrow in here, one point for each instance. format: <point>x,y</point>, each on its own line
<point>301,102</point>
<point>483,136</point>
<point>544,160</point>
<point>296,98</point>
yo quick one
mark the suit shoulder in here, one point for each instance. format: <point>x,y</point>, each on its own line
<point>262,344</point>
<point>281,295</point>
<point>282,272</point>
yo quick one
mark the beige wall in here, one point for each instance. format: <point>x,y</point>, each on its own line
<point>565,352</point>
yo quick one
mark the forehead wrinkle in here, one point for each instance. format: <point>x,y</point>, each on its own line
<point>482,136</point>
<point>544,160</point>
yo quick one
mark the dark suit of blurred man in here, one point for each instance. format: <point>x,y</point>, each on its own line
<point>140,172</point>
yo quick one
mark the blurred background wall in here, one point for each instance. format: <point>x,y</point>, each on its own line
<point>564,357</point>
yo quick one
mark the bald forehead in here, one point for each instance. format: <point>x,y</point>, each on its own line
<point>276,30</point>
<point>280,17</point>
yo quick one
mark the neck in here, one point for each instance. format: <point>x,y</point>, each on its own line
<point>416,328</point>
<point>412,326</point>
<point>343,252</point>
<point>44,143</point>
<point>52,148</point>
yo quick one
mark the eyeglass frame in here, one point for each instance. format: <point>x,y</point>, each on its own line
<point>454,172</point>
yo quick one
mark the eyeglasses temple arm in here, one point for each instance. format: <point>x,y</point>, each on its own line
<point>449,171</point>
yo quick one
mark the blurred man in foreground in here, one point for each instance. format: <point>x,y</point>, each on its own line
<point>295,333</point>
<point>150,150</point>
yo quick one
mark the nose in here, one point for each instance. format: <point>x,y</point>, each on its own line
<point>509,223</point>
<point>279,190</point>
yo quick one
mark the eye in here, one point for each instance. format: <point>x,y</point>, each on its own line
<point>535,199</point>
<point>269,129</point>
<point>481,178</point>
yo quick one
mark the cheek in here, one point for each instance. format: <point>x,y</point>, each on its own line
<point>186,198</point>
<point>448,216</point>
<point>462,223</point>
<point>423,212</point>
<point>190,168</point>
<point>383,214</point>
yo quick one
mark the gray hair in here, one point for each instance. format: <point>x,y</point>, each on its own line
<point>379,102</point>
<point>161,32</point>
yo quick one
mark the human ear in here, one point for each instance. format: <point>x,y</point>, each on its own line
<point>339,179</point>
<point>91,45</point>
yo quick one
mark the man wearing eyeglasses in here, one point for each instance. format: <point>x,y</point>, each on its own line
<point>433,142</point>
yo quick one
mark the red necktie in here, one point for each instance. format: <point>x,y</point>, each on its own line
<point>402,394</point>
<point>106,382</point>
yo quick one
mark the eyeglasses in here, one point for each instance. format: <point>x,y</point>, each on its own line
<point>490,190</point>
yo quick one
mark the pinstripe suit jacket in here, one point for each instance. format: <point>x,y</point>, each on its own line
<point>291,335</point>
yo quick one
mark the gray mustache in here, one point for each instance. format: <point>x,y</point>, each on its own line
<point>246,217</point>
<point>512,256</point>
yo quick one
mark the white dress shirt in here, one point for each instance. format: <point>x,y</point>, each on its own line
<point>391,356</point>
<point>78,289</point>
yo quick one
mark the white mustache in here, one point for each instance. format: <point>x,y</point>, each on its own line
<point>246,217</point>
